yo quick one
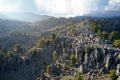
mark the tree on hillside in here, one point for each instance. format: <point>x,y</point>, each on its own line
<point>114,36</point>
<point>43,42</point>
<point>113,75</point>
<point>87,49</point>
<point>53,36</point>
<point>2,56</point>
<point>17,48</point>
<point>10,54</point>
<point>79,77</point>
<point>48,69</point>
<point>116,43</point>
<point>64,66</point>
<point>105,35</point>
<point>72,59</point>
<point>99,33</point>
<point>95,28</point>
<point>55,56</point>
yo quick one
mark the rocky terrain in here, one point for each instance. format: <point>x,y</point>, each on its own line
<point>96,61</point>
<point>94,56</point>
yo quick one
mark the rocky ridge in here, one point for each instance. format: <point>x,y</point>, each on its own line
<point>71,38</point>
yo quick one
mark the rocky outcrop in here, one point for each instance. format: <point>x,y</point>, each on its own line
<point>118,70</point>
<point>118,78</point>
<point>108,62</point>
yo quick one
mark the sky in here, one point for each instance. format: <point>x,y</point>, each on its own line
<point>60,8</point>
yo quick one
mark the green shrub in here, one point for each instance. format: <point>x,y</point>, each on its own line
<point>105,35</point>
<point>43,42</point>
<point>87,49</point>
<point>114,36</point>
<point>10,54</point>
<point>116,43</point>
<point>64,66</point>
<point>113,75</point>
<point>48,69</point>
<point>99,33</point>
<point>17,48</point>
<point>55,55</point>
<point>2,56</point>
<point>53,36</point>
<point>95,28</point>
<point>72,59</point>
<point>79,77</point>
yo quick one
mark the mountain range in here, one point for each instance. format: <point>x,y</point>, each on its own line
<point>23,16</point>
<point>33,17</point>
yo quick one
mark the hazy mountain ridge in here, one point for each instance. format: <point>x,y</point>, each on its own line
<point>23,16</point>
<point>29,28</point>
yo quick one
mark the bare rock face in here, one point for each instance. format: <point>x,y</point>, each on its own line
<point>42,76</point>
<point>80,69</point>
<point>103,70</point>
<point>108,62</point>
<point>77,51</point>
<point>88,78</point>
<point>97,55</point>
<point>53,69</point>
<point>118,78</point>
<point>116,58</point>
<point>86,58</point>
<point>118,70</point>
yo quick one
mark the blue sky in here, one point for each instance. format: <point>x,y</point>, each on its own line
<point>64,8</point>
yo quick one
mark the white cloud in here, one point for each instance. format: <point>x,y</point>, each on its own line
<point>68,8</point>
<point>54,7</point>
<point>9,6</point>
<point>113,5</point>
<point>65,8</point>
<point>17,5</point>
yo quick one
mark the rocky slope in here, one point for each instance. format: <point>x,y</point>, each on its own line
<point>99,59</point>
<point>70,38</point>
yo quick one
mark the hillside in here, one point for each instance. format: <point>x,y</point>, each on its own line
<point>8,42</point>
<point>77,45</point>
<point>30,29</point>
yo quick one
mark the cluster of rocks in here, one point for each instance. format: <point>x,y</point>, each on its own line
<point>100,60</point>
<point>102,57</point>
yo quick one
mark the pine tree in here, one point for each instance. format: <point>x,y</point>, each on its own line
<point>48,69</point>
<point>55,56</point>
<point>72,59</point>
